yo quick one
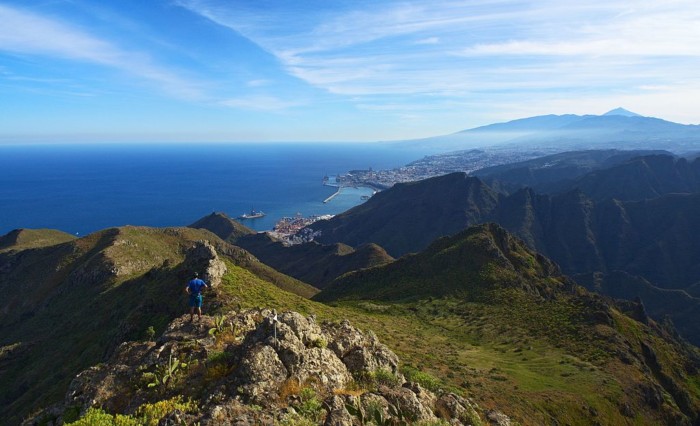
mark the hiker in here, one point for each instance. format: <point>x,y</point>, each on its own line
<point>194,289</point>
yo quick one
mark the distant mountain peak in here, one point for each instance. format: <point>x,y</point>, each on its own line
<point>622,111</point>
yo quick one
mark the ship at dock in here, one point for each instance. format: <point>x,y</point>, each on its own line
<point>254,214</point>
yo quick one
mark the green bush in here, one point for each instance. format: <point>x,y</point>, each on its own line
<point>219,357</point>
<point>381,376</point>
<point>424,379</point>
<point>150,414</point>
<point>97,417</point>
<point>385,377</point>
<point>150,333</point>
<point>146,415</point>
<point>310,407</point>
<point>319,343</point>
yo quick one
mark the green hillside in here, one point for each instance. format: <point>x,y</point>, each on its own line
<point>67,306</point>
<point>223,226</point>
<point>21,239</point>
<point>478,314</point>
<point>499,320</point>
<point>652,240</point>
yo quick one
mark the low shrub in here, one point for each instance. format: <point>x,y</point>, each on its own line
<point>146,415</point>
<point>379,377</point>
<point>426,380</point>
<point>310,407</point>
<point>98,417</point>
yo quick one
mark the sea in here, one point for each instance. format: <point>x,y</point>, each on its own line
<point>82,188</point>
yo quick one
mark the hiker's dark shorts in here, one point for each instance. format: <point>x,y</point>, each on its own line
<point>195,300</point>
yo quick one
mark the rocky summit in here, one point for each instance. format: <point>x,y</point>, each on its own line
<point>256,367</point>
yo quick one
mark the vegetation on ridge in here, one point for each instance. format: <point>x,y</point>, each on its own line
<point>68,306</point>
<point>477,313</point>
<point>22,239</point>
<point>510,327</point>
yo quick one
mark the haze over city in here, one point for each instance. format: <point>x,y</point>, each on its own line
<point>204,70</point>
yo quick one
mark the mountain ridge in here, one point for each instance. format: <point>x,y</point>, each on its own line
<point>558,133</point>
<point>651,239</point>
<point>489,273</point>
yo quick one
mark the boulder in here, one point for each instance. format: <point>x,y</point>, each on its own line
<point>338,415</point>
<point>261,373</point>
<point>203,257</point>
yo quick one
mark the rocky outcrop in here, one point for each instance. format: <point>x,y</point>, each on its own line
<point>203,257</point>
<point>259,367</point>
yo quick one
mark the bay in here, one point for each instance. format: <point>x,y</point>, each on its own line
<point>82,188</point>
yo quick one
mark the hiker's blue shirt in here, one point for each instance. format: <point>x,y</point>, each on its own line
<point>196,286</point>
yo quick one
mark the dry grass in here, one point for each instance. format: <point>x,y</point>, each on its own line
<point>290,387</point>
<point>350,392</point>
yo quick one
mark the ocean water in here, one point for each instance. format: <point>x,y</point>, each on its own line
<point>82,188</point>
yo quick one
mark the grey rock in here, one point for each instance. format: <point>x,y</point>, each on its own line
<point>456,409</point>
<point>407,404</point>
<point>262,372</point>
<point>496,418</point>
<point>338,415</point>
<point>203,257</point>
<point>324,367</point>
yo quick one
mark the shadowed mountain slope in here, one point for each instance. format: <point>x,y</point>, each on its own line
<point>311,263</point>
<point>410,216</point>
<point>485,282</point>
<point>555,173</point>
<point>469,264</point>
<point>653,239</point>
<point>640,178</point>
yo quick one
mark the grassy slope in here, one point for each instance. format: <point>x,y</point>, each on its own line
<point>531,358</point>
<point>522,338</point>
<point>68,306</point>
<point>535,364</point>
<point>21,239</point>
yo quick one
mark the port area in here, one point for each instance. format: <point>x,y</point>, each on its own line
<point>333,195</point>
<point>290,230</point>
<point>362,191</point>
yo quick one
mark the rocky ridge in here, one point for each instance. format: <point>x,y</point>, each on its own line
<point>257,367</point>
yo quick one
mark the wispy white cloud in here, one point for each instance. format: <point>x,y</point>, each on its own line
<point>258,83</point>
<point>27,33</point>
<point>453,49</point>
<point>260,103</point>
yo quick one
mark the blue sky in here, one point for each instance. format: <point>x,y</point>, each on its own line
<point>228,70</point>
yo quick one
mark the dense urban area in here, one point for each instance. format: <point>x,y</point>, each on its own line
<point>435,165</point>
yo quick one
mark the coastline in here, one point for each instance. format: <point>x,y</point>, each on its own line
<point>360,190</point>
